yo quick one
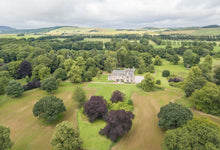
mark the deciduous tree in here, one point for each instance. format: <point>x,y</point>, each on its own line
<point>60,74</point>
<point>173,115</point>
<point>48,108</point>
<point>110,64</point>
<point>66,137</point>
<point>79,95</point>
<point>5,141</point>
<point>25,69</point>
<point>207,99</point>
<point>118,123</point>
<point>49,84</point>
<point>147,84</point>
<point>95,108</point>
<point>117,96</point>
<point>158,61</point>
<point>14,88</point>
<point>198,133</point>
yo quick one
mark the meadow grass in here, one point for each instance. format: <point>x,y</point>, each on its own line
<point>89,132</point>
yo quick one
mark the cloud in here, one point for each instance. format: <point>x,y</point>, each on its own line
<point>109,13</point>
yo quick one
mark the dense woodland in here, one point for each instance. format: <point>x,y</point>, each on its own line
<point>45,62</point>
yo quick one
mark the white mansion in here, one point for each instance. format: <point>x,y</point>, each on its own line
<point>126,75</point>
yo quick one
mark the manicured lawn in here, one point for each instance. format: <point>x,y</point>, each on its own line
<point>89,132</point>
<point>106,90</point>
<point>102,78</point>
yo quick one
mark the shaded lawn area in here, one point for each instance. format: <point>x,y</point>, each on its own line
<point>89,132</point>
<point>28,132</point>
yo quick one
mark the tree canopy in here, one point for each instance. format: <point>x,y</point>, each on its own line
<point>207,99</point>
<point>80,96</point>
<point>190,59</point>
<point>96,108</point>
<point>25,69</point>
<point>158,61</point>
<point>147,84</point>
<point>173,115</point>
<point>117,96</point>
<point>48,108</point>
<point>118,123</point>
<point>49,84</point>
<point>66,137</point>
<point>14,88</point>
<point>5,141</point>
<point>198,133</point>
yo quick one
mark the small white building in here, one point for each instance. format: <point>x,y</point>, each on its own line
<point>126,75</point>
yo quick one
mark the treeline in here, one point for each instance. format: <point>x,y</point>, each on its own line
<point>79,61</point>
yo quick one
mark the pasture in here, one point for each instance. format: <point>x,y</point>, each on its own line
<point>198,32</point>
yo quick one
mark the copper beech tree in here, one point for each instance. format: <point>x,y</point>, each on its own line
<point>118,123</point>
<point>96,108</point>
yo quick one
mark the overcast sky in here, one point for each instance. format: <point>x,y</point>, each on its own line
<point>109,13</point>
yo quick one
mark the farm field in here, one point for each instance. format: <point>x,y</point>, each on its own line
<point>198,32</point>
<point>19,37</point>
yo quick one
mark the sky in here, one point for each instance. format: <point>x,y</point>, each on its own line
<point>26,14</point>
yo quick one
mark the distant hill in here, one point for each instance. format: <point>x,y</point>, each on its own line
<point>211,26</point>
<point>6,28</point>
<point>151,28</point>
<point>184,28</point>
<point>28,31</point>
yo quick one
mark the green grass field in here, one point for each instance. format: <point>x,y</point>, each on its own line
<point>210,31</point>
<point>89,132</point>
<point>217,48</point>
<point>201,31</point>
<point>101,78</point>
<point>19,37</point>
